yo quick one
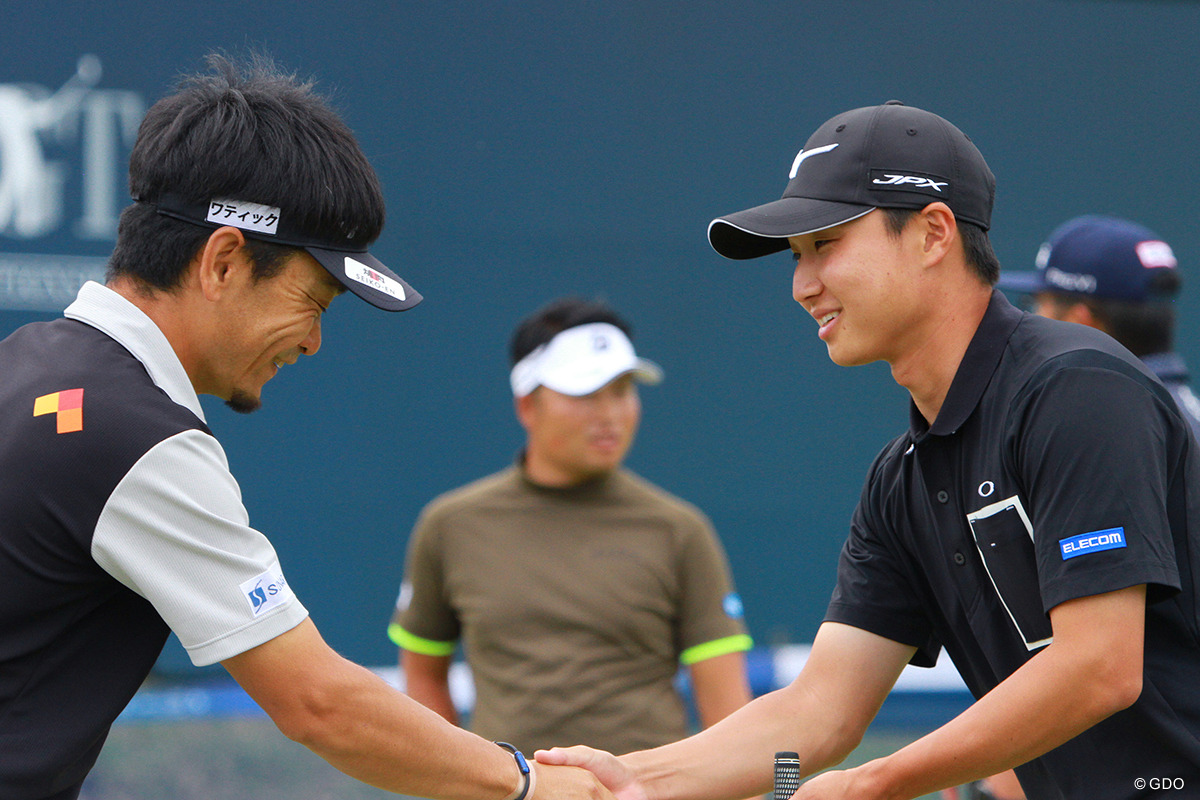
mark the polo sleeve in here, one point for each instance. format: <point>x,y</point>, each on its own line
<point>1099,449</point>
<point>424,621</point>
<point>710,614</point>
<point>175,531</point>
<point>875,588</point>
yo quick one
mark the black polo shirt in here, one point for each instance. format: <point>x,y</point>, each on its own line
<point>1058,468</point>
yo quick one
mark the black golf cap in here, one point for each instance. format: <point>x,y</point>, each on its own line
<point>346,259</point>
<point>888,156</point>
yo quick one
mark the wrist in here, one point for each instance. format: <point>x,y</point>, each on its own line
<point>873,779</point>
<point>528,777</point>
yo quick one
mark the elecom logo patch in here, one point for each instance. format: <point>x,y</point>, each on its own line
<point>266,591</point>
<point>908,181</point>
<point>1093,542</point>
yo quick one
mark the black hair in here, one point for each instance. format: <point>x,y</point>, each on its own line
<point>243,131</point>
<point>977,247</point>
<point>1142,328</point>
<point>557,316</point>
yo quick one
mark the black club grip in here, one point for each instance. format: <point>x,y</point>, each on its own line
<point>787,774</point>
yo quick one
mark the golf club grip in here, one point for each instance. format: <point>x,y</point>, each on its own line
<point>787,774</point>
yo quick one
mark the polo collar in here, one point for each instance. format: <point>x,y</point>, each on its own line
<point>577,491</point>
<point>974,373</point>
<point>121,320</point>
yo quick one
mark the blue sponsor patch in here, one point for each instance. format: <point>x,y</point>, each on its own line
<point>1094,542</point>
<point>733,605</point>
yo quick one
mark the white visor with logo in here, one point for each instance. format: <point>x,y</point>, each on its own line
<point>581,360</point>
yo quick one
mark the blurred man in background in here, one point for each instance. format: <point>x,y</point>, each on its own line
<point>577,587</point>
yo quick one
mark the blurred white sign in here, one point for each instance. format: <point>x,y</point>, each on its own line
<point>74,139</point>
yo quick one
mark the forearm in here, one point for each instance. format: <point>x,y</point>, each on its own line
<point>733,758</point>
<point>719,687</point>
<point>440,702</point>
<point>366,728</point>
<point>821,715</point>
<point>1047,702</point>
<point>373,733</point>
<point>426,680</point>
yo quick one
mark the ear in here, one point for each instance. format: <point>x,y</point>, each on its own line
<point>221,261</point>
<point>526,408</point>
<point>940,230</point>
<point>1081,313</point>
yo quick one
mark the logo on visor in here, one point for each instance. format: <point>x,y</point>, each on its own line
<point>358,271</point>
<point>247,216</point>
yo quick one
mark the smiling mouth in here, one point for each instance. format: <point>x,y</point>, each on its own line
<point>828,318</point>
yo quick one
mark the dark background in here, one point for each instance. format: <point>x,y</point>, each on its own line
<point>534,149</point>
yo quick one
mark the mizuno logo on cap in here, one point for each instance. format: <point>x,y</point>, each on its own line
<point>803,154</point>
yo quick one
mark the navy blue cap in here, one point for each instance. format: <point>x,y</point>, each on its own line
<point>1097,256</point>
<point>887,156</point>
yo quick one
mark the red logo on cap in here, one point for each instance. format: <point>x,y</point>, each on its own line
<point>1154,254</point>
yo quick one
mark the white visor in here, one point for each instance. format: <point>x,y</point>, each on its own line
<point>581,360</point>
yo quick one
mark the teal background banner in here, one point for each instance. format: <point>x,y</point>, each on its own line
<point>534,149</point>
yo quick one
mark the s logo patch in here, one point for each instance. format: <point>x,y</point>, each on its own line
<point>268,590</point>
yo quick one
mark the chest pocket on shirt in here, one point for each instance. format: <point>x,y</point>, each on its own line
<point>1004,537</point>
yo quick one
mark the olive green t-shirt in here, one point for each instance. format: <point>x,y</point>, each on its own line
<point>575,606</point>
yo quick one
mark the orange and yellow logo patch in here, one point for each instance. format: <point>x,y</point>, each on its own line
<point>67,404</point>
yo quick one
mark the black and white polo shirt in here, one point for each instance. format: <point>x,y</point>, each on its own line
<point>119,521</point>
<point>1057,468</point>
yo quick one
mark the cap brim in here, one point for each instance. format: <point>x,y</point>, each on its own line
<point>367,277</point>
<point>764,229</point>
<point>581,384</point>
<point>1024,282</point>
<point>648,372</point>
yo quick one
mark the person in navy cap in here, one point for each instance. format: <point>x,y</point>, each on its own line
<point>1120,277</point>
